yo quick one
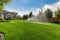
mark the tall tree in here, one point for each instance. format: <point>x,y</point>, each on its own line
<point>31,14</point>
<point>57,13</point>
<point>3,2</point>
<point>39,14</point>
<point>48,13</point>
<point>25,17</point>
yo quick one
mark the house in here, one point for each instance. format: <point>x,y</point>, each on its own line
<point>7,15</point>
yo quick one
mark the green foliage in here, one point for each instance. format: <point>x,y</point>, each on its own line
<point>3,2</point>
<point>31,14</point>
<point>1,7</point>
<point>48,13</point>
<point>57,13</point>
<point>25,17</point>
<point>19,17</point>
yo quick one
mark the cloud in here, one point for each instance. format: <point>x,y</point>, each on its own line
<point>52,6</point>
<point>35,11</point>
<point>22,11</point>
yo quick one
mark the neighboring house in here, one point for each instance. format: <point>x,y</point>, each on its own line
<point>9,15</point>
<point>6,15</point>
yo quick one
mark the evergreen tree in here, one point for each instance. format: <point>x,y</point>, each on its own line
<point>48,13</point>
<point>31,14</point>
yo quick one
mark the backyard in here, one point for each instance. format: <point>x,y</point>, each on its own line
<point>26,30</point>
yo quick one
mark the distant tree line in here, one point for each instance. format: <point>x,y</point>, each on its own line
<point>49,17</point>
<point>25,16</point>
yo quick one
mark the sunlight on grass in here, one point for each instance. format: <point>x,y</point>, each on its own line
<point>18,30</point>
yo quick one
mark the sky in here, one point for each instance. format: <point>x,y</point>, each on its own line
<point>26,6</point>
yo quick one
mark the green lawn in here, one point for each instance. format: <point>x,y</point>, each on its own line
<point>18,30</point>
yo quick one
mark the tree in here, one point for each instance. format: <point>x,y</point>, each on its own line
<point>48,13</point>
<point>31,14</point>
<point>57,13</point>
<point>39,14</point>
<point>19,17</point>
<point>25,17</point>
<point>3,2</point>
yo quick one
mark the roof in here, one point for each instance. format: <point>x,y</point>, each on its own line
<point>5,12</point>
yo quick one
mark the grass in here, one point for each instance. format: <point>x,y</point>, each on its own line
<point>23,30</point>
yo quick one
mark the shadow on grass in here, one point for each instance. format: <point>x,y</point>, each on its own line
<point>34,35</point>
